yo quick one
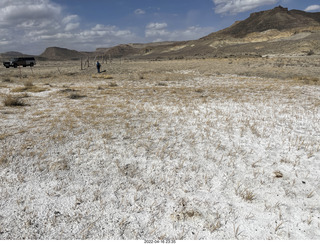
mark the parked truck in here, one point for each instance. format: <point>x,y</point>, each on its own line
<point>15,62</point>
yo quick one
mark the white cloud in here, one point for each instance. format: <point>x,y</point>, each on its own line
<point>139,11</point>
<point>159,32</point>
<point>71,26</point>
<point>157,26</point>
<point>156,30</point>
<point>191,33</point>
<point>312,8</point>
<point>70,18</point>
<point>238,6</point>
<point>21,11</point>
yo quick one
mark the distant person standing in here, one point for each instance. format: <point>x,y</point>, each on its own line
<point>98,66</point>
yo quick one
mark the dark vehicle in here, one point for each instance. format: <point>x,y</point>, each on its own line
<point>15,62</point>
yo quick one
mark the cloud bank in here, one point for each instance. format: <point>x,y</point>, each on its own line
<point>239,6</point>
<point>33,25</point>
<point>158,32</point>
<point>312,8</point>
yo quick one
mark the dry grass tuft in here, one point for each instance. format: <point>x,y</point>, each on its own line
<point>215,226</point>
<point>28,84</point>
<point>68,90</point>
<point>29,87</point>
<point>11,101</point>
<point>3,136</point>
<point>76,96</point>
<point>113,84</point>
<point>245,194</point>
<point>278,174</point>
<point>141,76</point>
<point>199,90</point>
<point>7,80</point>
<point>248,195</point>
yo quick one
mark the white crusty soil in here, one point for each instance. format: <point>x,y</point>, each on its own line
<point>175,155</point>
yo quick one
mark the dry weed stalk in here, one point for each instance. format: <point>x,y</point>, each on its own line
<point>278,227</point>
<point>237,231</point>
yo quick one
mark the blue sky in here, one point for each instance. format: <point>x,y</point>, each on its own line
<point>29,26</point>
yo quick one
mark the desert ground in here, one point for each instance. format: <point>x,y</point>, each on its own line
<point>174,150</point>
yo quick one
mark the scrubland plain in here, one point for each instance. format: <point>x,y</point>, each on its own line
<point>186,149</point>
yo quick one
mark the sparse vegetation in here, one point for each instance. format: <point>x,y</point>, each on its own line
<point>308,80</point>
<point>102,76</point>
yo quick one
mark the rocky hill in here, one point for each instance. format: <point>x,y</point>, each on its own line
<point>57,53</point>
<point>8,55</point>
<point>279,18</point>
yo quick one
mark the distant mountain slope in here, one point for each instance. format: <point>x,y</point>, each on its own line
<point>11,54</point>
<point>57,53</point>
<point>121,50</point>
<point>278,18</point>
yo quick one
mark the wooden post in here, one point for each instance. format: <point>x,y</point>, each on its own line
<point>81,64</point>
<point>20,72</point>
